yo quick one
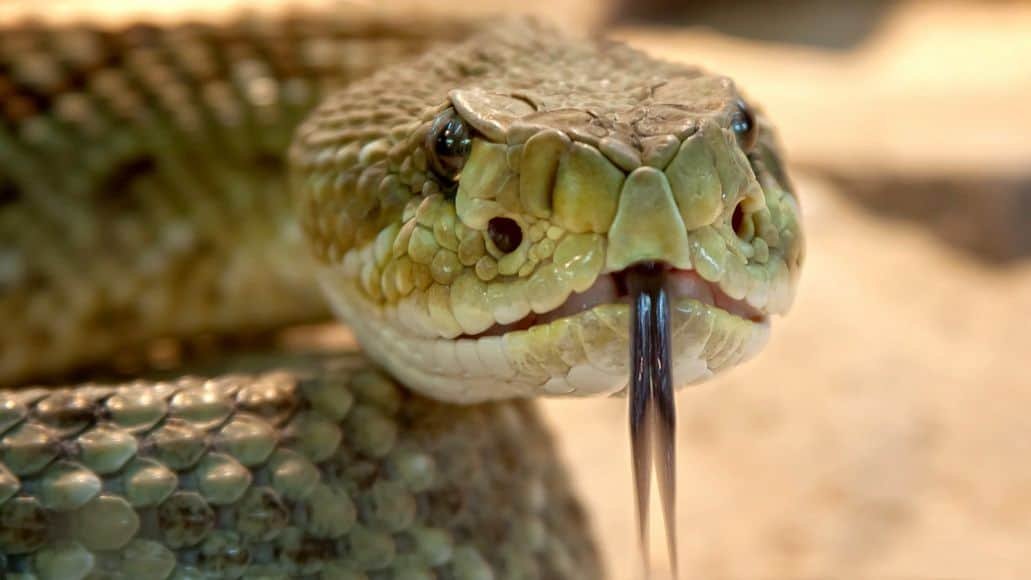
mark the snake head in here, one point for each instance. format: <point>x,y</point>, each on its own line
<point>475,213</point>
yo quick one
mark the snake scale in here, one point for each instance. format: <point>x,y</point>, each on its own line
<point>492,207</point>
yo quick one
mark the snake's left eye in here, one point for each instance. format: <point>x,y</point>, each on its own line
<point>447,145</point>
<point>743,124</point>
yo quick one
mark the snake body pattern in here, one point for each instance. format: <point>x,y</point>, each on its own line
<point>475,215</point>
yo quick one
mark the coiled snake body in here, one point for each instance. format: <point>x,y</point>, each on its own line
<point>488,218</point>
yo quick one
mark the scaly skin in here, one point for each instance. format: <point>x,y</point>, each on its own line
<point>142,191</point>
<point>294,466</point>
<point>141,196</point>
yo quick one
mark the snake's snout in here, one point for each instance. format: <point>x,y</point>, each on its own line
<point>647,227</point>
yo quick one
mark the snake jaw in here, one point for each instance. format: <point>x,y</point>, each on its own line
<point>613,288</point>
<point>577,349</point>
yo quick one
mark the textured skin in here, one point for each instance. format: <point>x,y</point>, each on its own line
<point>304,466</point>
<point>141,178</point>
<point>603,156</point>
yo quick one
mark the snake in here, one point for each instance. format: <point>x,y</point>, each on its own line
<point>498,211</point>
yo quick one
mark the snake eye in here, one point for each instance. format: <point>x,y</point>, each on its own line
<point>743,124</point>
<point>447,145</point>
<point>505,233</point>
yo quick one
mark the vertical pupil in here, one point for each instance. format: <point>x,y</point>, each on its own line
<point>446,140</point>
<point>742,124</point>
<point>451,142</point>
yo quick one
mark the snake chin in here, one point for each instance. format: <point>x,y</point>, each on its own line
<point>611,288</point>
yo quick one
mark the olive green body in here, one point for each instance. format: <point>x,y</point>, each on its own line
<point>300,466</point>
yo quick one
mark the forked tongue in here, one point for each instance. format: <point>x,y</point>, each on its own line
<point>652,411</point>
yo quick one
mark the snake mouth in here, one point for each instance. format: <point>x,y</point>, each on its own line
<point>576,347</point>
<point>612,288</point>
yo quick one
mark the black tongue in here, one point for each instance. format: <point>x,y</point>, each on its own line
<point>652,410</point>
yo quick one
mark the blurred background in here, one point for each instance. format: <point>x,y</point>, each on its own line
<point>885,433</point>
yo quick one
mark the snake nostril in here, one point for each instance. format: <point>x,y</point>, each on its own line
<point>505,233</point>
<point>742,224</point>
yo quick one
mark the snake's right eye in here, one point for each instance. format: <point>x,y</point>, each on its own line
<point>744,126</point>
<point>448,144</point>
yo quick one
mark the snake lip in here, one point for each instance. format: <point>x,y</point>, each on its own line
<point>688,283</point>
<point>611,288</point>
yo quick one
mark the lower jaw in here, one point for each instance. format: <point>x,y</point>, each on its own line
<point>583,354</point>
<point>589,353</point>
<point>610,289</point>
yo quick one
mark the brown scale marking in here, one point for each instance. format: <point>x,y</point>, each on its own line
<point>405,543</point>
<point>492,529</point>
<point>547,568</point>
<point>177,443</point>
<point>351,470</point>
<point>441,506</point>
<point>269,162</point>
<point>272,398</point>
<point>7,88</point>
<point>116,186</point>
<point>21,107</point>
<point>10,193</point>
<point>31,282</point>
<point>261,514</point>
<point>220,557</point>
<point>39,75</point>
<point>306,553</point>
<point>185,519</point>
<point>24,525</point>
<point>139,35</point>
<point>68,412</point>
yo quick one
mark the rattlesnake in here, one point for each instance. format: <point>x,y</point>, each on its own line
<point>507,215</point>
